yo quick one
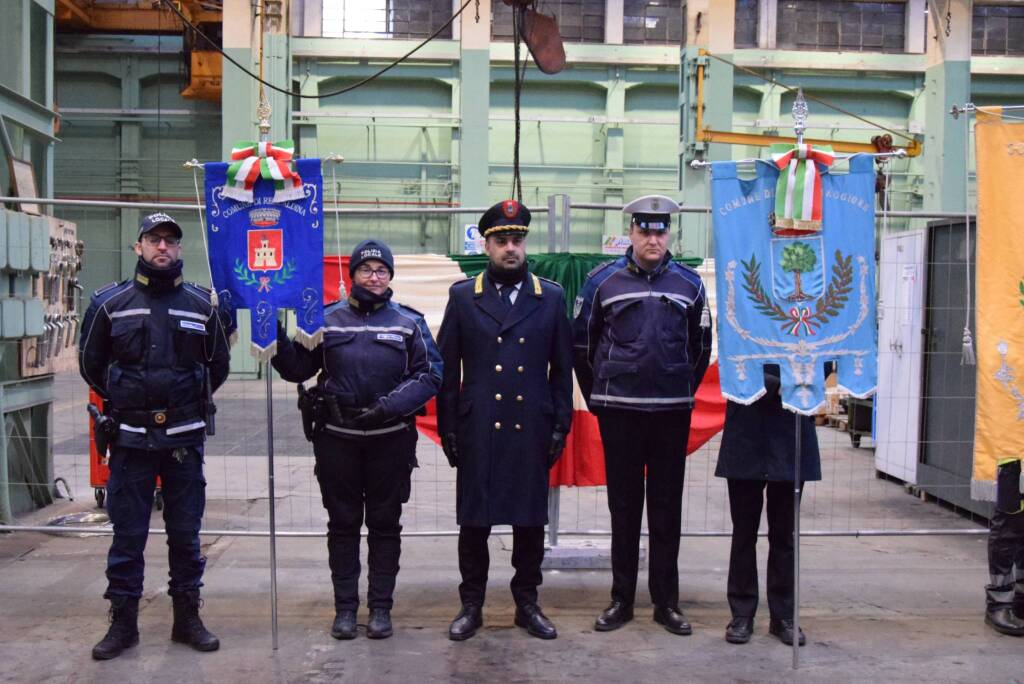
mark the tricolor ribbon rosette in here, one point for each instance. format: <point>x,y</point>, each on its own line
<point>798,197</point>
<point>267,160</point>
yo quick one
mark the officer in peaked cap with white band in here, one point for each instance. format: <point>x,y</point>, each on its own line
<point>503,413</point>
<point>641,344</point>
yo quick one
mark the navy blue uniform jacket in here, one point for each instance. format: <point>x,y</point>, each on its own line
<point>514,389</point>
<point>637,339</point>
<point>386,354</point>
<point>143,350</point>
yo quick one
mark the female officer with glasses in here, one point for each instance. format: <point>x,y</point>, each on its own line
<point>377,366</point>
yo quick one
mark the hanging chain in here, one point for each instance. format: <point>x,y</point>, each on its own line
<point>517,183</point>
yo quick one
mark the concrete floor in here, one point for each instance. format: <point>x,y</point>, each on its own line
<point>878,608</point>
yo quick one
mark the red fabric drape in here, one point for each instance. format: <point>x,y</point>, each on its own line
<point>582,463</point>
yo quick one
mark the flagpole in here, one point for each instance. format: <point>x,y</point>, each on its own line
<point>799,125</point>
<point>263,111</point>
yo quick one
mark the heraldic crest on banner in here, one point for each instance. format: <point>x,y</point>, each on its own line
<point>265,253</point>
<point>797,298</point>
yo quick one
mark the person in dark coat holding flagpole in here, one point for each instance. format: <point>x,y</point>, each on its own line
<point>757,457</point>
<point>504,412</point>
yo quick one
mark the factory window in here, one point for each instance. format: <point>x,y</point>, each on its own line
<point>997,30</point>
<point>652,22</point>
<point>745,35</point>
<point>579,21</point>
<point>402,19</point>
<point>841,25</point>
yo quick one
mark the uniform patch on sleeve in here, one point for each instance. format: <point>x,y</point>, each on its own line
<point>191,325</point>
<point>577,306</point>
<point>392,337</point>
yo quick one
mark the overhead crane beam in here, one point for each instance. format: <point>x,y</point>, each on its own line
<point>130,16</point>
<point>913,147</point>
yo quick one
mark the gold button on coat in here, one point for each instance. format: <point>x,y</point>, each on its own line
<point>500,340</point>
<point>520,369</point>
<point>497,426</point>
<point>519,397</point>
<point>498,368</point>
<point>497,397</point>
<point>518,426</point>
<point>522,340</point>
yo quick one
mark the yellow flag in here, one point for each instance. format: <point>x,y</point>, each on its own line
<point>999,420</point>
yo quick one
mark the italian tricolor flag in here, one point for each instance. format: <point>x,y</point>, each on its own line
<point>422,282</point>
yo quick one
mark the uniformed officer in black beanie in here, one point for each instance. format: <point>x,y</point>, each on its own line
<point>377,367</point>
<point>154,348</point>
<point>503,413</point>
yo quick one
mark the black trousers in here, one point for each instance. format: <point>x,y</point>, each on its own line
<point>746,499</point>
<point>475,560</point>
<point>635,441</point>
<point>1005,560</point>
<point>364,478</point>
<point>133,474</point>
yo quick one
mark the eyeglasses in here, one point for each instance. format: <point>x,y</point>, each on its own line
<point>381,273</point>
<point>155,240</point>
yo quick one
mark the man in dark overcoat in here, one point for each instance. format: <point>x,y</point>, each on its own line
<point>503,413</point>
<point>757,457</point>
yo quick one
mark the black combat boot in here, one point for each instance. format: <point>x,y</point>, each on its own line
<point>188,628</point>
<point>124,628</point>
<point>379,624</point>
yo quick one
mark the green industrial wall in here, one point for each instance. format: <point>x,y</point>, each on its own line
<point>599,132</point>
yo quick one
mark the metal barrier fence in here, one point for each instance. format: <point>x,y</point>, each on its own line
<point>854,498</point>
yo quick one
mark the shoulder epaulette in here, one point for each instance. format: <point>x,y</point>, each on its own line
<point>409,309</point>
<point>689,271</point>
<point>107,288</point>
<point>201,288</point>
<point>549,281</point>
<point>600,267</point>
<point>687,267</point>
<point>464,281</point>
<point>335,305</point>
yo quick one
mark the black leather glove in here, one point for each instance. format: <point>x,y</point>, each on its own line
<point>557,446</point>
<point>370,417</point>
<point>451,451</point>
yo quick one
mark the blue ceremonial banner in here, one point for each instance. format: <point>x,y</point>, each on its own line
<point>797,300</point>
<point>266,256</point>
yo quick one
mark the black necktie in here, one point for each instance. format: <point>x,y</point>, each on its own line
<point>506,294</point>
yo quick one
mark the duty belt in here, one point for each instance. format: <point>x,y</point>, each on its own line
<point>159,417</point>
<point>382,430</point>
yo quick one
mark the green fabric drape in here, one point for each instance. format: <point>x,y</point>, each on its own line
<point>568,270</point>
